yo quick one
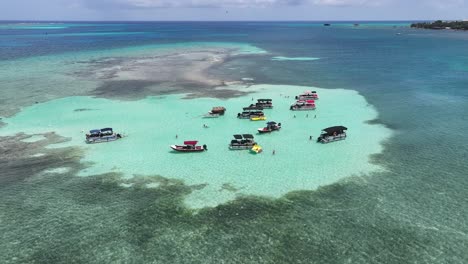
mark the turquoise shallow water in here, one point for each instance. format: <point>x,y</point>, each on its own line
<point>408,206</point>
<point>151,126</point>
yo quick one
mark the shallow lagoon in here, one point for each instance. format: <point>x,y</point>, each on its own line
<point>151,125</point>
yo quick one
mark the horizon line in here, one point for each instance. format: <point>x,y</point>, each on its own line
<point>340,20</point>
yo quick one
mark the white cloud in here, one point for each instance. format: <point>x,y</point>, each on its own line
<point>348,2</point>
<point>446,4</point>
<point>187,3</point>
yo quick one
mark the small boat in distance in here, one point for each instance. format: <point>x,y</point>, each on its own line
<point>331,134</point>
<point>217,111</point>
<point>258,118</point>
<point>327,24</point>
<point>256,149</point>
<point>101,135</point>
<point>308,95</point>
<point>189,146</point>
<point>303,105</point>
<point>271,126</point>
<point>250,112</point>
<point>264,103</point>
<point>245,141</point>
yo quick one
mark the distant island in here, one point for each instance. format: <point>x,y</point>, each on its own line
<point>439,24</point>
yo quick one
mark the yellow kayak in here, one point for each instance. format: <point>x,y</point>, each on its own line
<point>258,118</point>
<point>256,149</point>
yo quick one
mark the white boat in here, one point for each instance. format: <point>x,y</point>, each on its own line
<point>308,95</point>
<point>332,134</point>
<point>250,112</point>
<point>245,141</point>
<point>101,135</point>
<point>303,105</point>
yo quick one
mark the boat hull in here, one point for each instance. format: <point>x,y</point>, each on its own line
<point>240,147</point>
<point>186,149</point>
<point>266,106</point>
<point>94,140</point>
<point>307,98</point>
<point>302,108</point>
<point>329,139</point>
<point>264,131</point>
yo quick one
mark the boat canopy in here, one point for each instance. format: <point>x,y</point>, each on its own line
<point>238,137</point>
<point>191,142</point>
<point>248,136</point>
<point>108,129</point>
<point>335,129</point>
<point>218,109</point>
<point>264,100</point>
<point>252,108</point>
<point>271,123</point>
<point>95,131</point>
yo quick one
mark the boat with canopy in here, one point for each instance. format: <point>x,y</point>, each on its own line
<point>271,126</point>
<point>264,103</point>
<point>217,111</point>
<point>189,146</point>
<point>332,134</point>
<point>303,105</point>
<point>102,135</point>
<point>245,141</point>
<point>251,111</point>
<point>308,95</point>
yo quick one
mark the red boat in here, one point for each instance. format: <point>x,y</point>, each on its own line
<point>307,95</point>
<point>189,146</point>
<point>303,105</point>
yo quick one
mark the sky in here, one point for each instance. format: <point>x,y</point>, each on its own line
<point>228,10</point>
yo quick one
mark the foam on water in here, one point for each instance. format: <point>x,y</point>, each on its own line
<point>281,58</point>
<point>151,125</point>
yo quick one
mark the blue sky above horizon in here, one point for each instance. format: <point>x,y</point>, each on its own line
<point>220,10</point>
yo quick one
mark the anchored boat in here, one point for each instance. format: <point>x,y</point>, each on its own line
<point>250,112</point>
<point>264,103</point>
<point>189,146</point>
<point>217,111</point>
<point>245,141</point>
<point>308,95</point>
<point>332,134</point>
<point>101,135</point>
<point>271,126</point>
<point>303,105</point>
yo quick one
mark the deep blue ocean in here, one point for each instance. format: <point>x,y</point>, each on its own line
<point>415,212</point>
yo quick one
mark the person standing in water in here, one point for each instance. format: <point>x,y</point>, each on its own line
<point>274,152</point>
